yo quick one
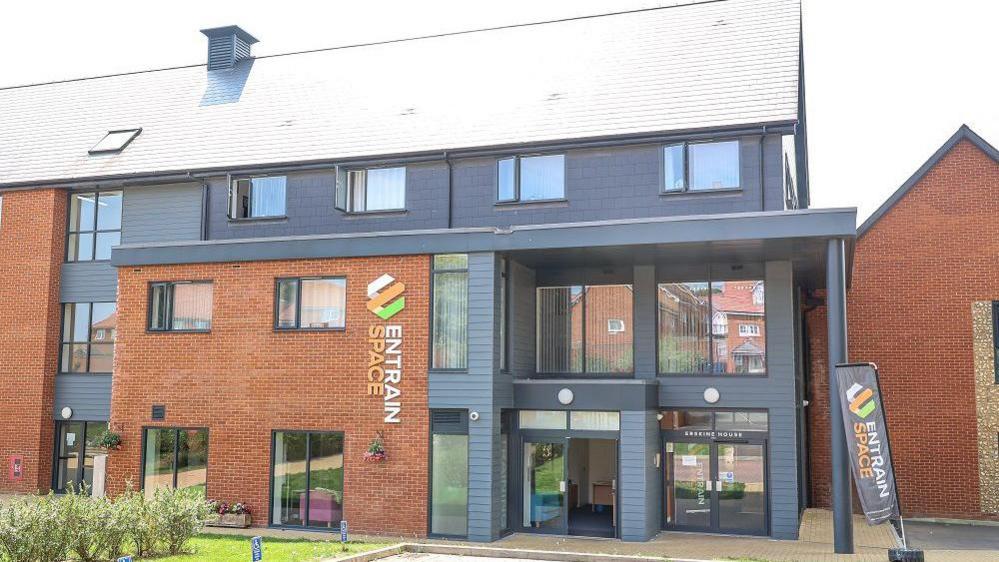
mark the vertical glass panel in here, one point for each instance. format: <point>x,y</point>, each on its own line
<point>287,305</point>
<point>91,448</point>
<point>560,329</point>
<point>192,459</point>
<point>595,421</point>
<point>82,212</point>
<point>673,168</point>
<point>267,196</point>
<point>741,421</point>
<point>81,322</point>
<point>323,303</point>
<point>239,199</point>
<point>684,324</point>
<point>159,460</point>
<point>542,177</point>
<point>105,241</point>
<point>449,485</point>
<point>609,334</point>
<point>71,437</point>
<point>103,327</point>
<point>325,480</point>
<point>101,358</point>
<point>739,327</point>
<point>450,261</point>
<point>158,304</point>
<point>506,180</point>
<point>358,202</point>
<point>67,321</point>
<point>542,419</point>
<point>504,281</point>
<point>192,306</point>
<point>544,485</point>
<point>688,494</point>
<point>450,320</point>
<point>289,479</point>
<point>714,165</point>
<point>685,419</point>
<point>742,495</point>
<point>109,210</point>
<point>81,247</point>
<point>386,189</point>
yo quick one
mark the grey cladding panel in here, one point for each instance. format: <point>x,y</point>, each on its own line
<point>88,282</point>
<point>88,395</point>
<point>161,213</point>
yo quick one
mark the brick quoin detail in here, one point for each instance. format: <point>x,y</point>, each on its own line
<point>916,273</point>
<point>32,242</point>
<point>243,380</point>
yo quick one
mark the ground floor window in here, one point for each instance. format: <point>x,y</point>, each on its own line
<point>75,449</point>
<point>449,473</point>
<point>307,485</point>
<point>174,458</point>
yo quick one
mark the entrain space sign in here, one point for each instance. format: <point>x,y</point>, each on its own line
<point>385,300</point>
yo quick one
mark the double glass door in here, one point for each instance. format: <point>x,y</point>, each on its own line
<point>719,487</point>
<point>76,447</point>
<point>545,483</point>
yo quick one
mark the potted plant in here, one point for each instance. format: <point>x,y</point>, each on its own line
<point>109,440</point>
<point>235,515</point>
<point>376,451</point>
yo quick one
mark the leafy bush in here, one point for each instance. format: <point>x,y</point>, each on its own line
<point>95,527</point>
<point>31,530</point>
<point>179,515</point>
<point>142,531</point>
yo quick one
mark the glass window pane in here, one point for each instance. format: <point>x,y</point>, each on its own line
<point>450,261</point>
<point>741,421</point>
<point>288,503</point>
<point>91,448</point>
<point>684,321</point>
<point>103,327</point>
<point>67,321</point>
<point>506,186</point>
<point>105,241</point>
<point>560,329</point>
<point>326,480</point>
<point>239,199</point>
<point>81,212</point>
<point>158,467</point>
<point>267,196</point>
<point>287,303</point>
<point>739,327</point>
<point>595,421</point>
<point>542,419</point>
<point>357,190</point>
<point>323,303</point>
<point>609,334</point>
<point>685,419</point>
<point>673,172</point>
<point>192,306</point>
<point>101,358</point>
<point>450,320</point>
<point>192,459</point>
<point>542,177</point>
<point>158,303</point>
<point>386,189</point>
<point>81,322</point>
<point>449,485</point>
<point>714,165</point>
<point>109,210</point>
<point>81,247</point>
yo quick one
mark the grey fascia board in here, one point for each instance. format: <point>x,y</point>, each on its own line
<point>963,133</point>
<point>820,223</point>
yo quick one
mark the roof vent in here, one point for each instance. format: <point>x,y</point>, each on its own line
<point>227,46</point>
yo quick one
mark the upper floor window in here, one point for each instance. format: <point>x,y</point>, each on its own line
<point>89,331</point>
<point>712,327</point>
<point>701,166</point>
<point>257,197</point>
<point>311,303</point>
<point>449,312</point>
<point>531,178</point>
<point>94,225</point>
<point>584,329</point>
<point>184,306</point>
<point>373,189</point>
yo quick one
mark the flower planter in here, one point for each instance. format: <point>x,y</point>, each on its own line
<point>240,521</point>
<point>375,457</point>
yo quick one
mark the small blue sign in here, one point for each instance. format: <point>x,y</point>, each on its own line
<point>126,558</point>
<point>258,549</point>
<point>343,531</point>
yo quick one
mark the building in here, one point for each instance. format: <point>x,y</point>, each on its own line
<point>921,307</point>
<point>563,294</point>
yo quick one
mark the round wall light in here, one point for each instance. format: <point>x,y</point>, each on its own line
<point>565,396</point>
<point>66,413</point>
<point>711,395</point>
<point>474,416</point>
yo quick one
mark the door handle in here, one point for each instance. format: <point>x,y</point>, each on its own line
<point>561,486</point>
<point>709,485</point>
<point>719,484</point>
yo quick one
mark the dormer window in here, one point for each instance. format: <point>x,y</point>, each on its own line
<point>115,141</point>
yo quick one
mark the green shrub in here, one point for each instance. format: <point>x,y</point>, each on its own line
<point>141,524</point>
<point>95,527</point>
<point>31,531</point>
<point>179,515</point>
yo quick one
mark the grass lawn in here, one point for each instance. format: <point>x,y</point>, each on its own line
<point>233,547</point>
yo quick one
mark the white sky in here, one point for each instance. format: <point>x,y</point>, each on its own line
<point>888,81</point>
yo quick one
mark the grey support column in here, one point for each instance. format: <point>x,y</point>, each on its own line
<point>836,315</point>
<point>644,290</point>
<point>638,488</point>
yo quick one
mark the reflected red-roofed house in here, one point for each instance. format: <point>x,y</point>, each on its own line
<point>739,327</point>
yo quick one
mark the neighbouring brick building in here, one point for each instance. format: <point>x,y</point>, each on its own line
<point>561,288</point>
<point>921,308</point>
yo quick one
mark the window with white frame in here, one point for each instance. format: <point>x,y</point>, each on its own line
<point>615,325</point>
<point>749,330</point>
<point>371,190</point>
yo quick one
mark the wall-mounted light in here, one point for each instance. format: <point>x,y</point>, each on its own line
<point>66,413</point>
<point>711,395</point>
<point>565,396</point>
<point>474,416</point>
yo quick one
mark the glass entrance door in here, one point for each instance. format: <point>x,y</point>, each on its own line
<point>719,487</point>
<point>545,486</point>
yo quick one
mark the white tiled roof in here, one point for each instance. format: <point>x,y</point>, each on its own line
<point>702,65</point>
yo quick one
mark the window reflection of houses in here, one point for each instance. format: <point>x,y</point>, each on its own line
<point>741,347</point>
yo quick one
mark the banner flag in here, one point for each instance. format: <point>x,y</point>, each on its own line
<point>867,441</point>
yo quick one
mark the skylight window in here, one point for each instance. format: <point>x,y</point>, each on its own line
<point>115,141</point>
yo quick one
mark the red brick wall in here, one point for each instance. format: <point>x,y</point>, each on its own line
<point>243,380</point>
<point>32,242</point>
<point>916,273</point>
